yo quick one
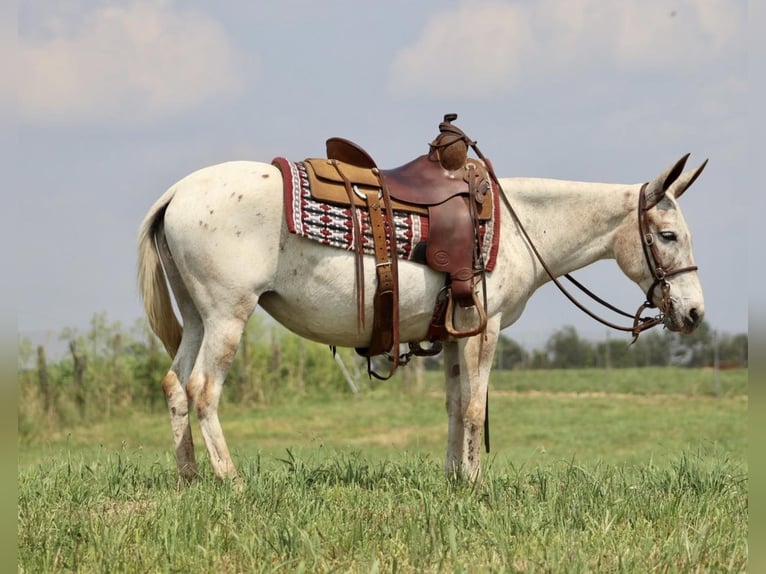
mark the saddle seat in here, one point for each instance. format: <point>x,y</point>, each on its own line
<point>424,181</point>
<point>413,187</point>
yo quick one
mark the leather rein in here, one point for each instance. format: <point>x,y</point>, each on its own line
<point>651,254</point>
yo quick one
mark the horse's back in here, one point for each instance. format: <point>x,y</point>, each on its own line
<point>249,179</point>
<point>225,199</point>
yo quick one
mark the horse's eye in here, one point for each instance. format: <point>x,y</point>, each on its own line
<point>668,235</point>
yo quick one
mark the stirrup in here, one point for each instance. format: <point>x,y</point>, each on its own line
<point>480,311</point>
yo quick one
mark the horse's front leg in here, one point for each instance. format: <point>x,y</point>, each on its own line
<point>467,365</point>
<point>452,465</point>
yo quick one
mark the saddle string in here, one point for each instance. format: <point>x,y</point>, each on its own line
<point>358,250</point>
<point>394,357</point>
<point>473,197</point>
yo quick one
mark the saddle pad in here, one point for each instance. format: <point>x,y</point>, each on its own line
<point>331,224</point>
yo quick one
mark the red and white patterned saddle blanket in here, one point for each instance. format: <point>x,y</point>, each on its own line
<point>332,225</point>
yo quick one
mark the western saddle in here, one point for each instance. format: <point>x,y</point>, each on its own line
<point>452,190</point>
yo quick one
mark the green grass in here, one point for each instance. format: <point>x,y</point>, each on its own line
<point>644,381</point>
<point>581,479</point>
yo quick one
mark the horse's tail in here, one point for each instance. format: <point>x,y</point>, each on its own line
<point>151,277</point>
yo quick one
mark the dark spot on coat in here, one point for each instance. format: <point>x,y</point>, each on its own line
<point>264,175</point>
<point>239,197</point>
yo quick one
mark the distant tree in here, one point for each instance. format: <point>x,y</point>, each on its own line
<point>653,348</point>
<point>566,349</point>
<point>510,354</point>
<point>148,363</point>
<point>615,353</point>
<point>109,369</point>
<point>732,350</point>
<point>43,380</point>
<point>25,354</point>
<point>538,360</point>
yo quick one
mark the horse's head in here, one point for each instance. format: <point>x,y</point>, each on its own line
<point>654,248</point>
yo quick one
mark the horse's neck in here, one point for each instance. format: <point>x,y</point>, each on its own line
<point>571,223</point>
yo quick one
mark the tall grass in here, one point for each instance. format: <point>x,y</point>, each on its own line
<point>122,514</point>
<point>579,480</point>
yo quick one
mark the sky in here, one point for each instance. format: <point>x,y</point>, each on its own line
<point>116,101</point>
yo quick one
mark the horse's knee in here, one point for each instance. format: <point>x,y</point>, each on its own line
<point>194,388</point>
<point>174,394</point>
<point>474,414</point>
<point>170,385</point>
<point>452,404</point>
<point>203,392</point>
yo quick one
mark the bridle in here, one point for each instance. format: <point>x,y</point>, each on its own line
<point>654,262</point>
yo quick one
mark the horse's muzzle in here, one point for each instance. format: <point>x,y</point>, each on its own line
<point>684,320</point>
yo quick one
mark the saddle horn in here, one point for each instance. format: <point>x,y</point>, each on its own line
<point>451,145</point>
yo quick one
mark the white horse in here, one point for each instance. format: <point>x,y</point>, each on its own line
<point>221,238</point>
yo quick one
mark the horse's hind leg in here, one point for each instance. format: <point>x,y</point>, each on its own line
<point>175,381</point>
<point>220,343</point>
<point>178,402</point>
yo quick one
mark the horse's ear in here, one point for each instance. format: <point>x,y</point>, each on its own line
<point>685,180</point>
<point>658,187</point>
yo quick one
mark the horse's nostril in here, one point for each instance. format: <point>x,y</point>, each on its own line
<point>694,315</point>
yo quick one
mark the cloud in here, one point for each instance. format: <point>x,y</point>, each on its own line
<point>489,47</point>
<point>123,62</point>
<point>8,62</point>
<point>476,46</point>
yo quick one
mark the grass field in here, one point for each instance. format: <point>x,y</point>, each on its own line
<point>590,471</point>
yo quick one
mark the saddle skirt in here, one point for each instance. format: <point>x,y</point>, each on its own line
<point>316,207</point>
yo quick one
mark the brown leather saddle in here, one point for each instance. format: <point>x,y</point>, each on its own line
<point>452,190</point>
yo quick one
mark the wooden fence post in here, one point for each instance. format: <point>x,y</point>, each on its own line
<point>43,381</point>
<point>79,377</point>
